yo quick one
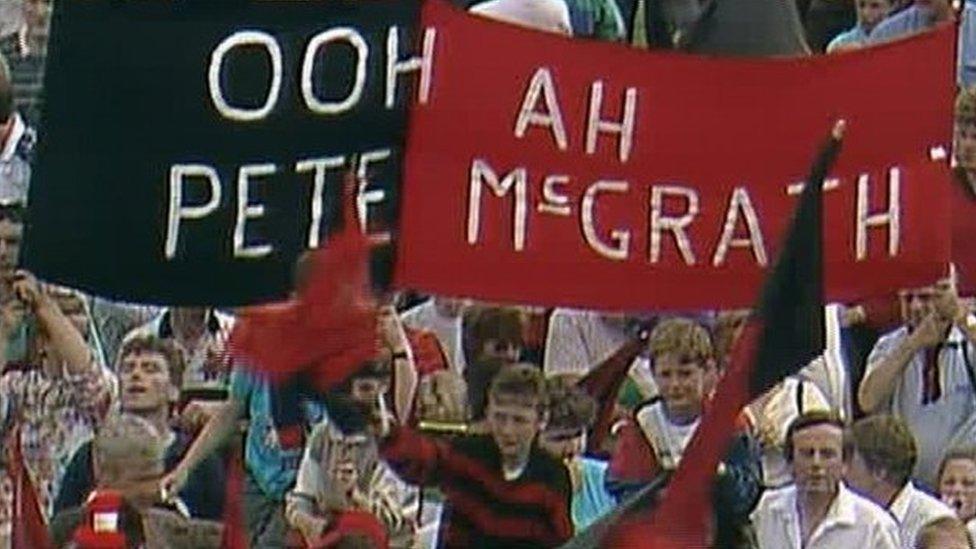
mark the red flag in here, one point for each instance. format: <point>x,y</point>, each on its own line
<point>235,531</point>
<point>329,327</point>
<point>29,529</point>
<point>603,384</point>
<point>787,332</point>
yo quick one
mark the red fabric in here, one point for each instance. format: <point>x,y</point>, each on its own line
<point>883,313</point>
<point>85,537</point>
<point>603,384</point>
<point>428,355</point>
<point>329,327</point>
<point>688,133</point>
<point>964,235</point>
<point>633,459</point>
<point>28,528</point>
<point>354,523</point>
<point>235,530</point>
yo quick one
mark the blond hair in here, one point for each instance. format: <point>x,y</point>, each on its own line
<point>682,337</point>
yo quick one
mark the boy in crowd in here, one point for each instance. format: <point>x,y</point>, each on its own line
<point>653,444</point>
<point>571,414</point>
<point>957,485</point>
<point>501,489</point>
<point>150,373</point>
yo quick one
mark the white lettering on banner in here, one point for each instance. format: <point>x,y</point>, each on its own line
<point>619,250</point>
<point>354,39</point>
<point>677,225</point>
<point>246,210</point>
<point>741,204</point>
<point>178,174</point>
<point>552,201</point>
<point>625,127</point>
<point>319,166</point>
<point>245,38</point>
<point>364,197</point>
<point>481,172</point>
<point>891,217</point>
<point>541,83</point>
<point>394,68</point>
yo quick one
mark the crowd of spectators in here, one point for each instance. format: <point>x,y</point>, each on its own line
<point>471,426</point>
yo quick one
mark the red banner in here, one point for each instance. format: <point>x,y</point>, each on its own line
<point>557,172</point>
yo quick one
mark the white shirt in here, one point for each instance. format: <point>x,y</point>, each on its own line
<point>971,527</point>
<point>577,341</point>
<point>945,423</point>
<point>447,329</point>
<point>544,15</point>
<point>667,439</point>
<point>852,522</point>
<point>913,509</point>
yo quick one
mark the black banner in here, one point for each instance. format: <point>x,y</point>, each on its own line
<point>190,150</point>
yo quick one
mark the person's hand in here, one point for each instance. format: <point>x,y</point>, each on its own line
<point>948,305</point>
<point>311,528</point>
<point>173,482</point>
<point>26,289</point>
<point>931,331</point>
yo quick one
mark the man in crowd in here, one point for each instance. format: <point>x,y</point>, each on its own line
<point>922,373</point>
<point>598,19</point>
<point>501,489</point>
<point>818,511</point>
<point>200,333</point>
<point>55,398</point>
<point>127,457</point>
<point>869,14</point>
<point>880,468</point>
<point>324,487</point>
<point>270,463</point>
<point>150,371</point>
<point>921,16</point>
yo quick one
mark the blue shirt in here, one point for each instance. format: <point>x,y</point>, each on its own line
<point>906,22</point>
<point>273,468</point>
<point>591,501</point>
<point>856,35</point>
<point>967,46</point>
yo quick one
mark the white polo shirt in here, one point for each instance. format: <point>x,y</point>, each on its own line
<point>945,423</point>
<point>852,522</point>
<point>913,509</point>
<point>544,15</point>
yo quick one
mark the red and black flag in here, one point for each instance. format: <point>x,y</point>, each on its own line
<point>786,332</point>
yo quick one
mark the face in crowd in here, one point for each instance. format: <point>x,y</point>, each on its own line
<point>817,459</point>
<point>681,383</point>
<point>514,424</point>
<point>564,444</point>
<point>957,486</point>
<point>144,382</point>
<point>919,303</point>
<point>871,12</point>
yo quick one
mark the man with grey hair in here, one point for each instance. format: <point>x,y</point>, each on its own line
<point>127,458</point>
